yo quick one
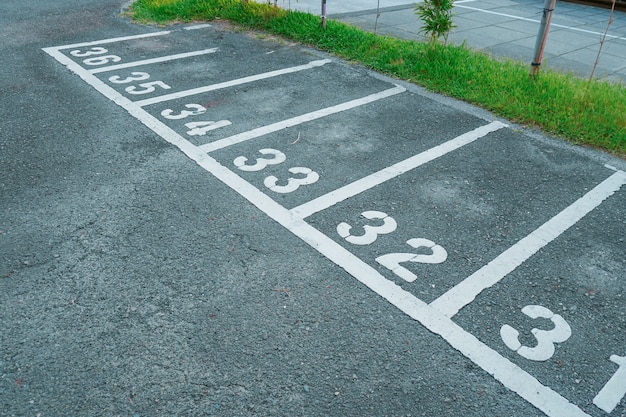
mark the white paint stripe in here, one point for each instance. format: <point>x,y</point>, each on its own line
<point>195,27</point>
<point>509,374</point>
<point>252,78</point>
<point>294,121</point>
<point>615,389</point>
<point>154,60</point>
<point>377,178</point>
<point>538,21</point>
<point>110,40</point>
<point>103,88</point>
<point>466,291</point>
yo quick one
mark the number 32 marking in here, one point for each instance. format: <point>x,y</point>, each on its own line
<point>392,260</point>
<point>370,232</point>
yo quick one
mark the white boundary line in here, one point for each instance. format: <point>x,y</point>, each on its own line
<point>538,21</point>
<point>111,40</point>
<point>166,58</point>
<point>199,26</point>
<point>294,121</point>
<point>467,290</point>
<point>503,370</point>
<point>239,81</point>
<point>377,178</point>
<point>509,374</point>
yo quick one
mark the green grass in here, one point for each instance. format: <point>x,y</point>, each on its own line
<point>587,113</point>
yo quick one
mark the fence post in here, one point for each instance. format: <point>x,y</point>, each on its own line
<point>542,36</point>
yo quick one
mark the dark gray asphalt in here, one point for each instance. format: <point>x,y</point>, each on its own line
<point>135,283</point>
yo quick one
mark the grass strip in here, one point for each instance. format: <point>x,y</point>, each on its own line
<point>586,113</point>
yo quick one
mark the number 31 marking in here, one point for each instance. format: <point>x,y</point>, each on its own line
<point>545,338</point>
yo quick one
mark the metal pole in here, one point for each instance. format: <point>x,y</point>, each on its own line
<point>542,36</point>
<point>377,16</point>
<point>595,64</point>
<point>324,14</point>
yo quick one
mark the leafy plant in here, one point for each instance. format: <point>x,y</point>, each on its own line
<point>436,16</point>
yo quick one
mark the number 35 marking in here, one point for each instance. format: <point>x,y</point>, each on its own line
<point>545,338</point>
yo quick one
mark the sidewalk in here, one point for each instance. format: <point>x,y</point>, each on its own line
<point>505,28</point>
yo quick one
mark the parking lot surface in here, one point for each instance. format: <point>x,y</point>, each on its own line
<point>203,221</point>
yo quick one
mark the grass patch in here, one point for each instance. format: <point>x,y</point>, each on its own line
<point>587,113</point>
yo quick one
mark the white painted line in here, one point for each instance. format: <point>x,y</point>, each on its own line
<point>213,87</point>
<point>166,58</point>
<point>467,290</point>
<point>507,373</point>
<point>200,26</point>
<point>377,178</point>
<point>503,370</point>
<point>538,21</point>
<point>110,40</point>
<point>294,121</point>
<point>612,393</point>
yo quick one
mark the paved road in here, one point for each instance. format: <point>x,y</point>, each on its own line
<point>198,221</point>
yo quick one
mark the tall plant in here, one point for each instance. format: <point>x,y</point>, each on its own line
<point>436,16</point>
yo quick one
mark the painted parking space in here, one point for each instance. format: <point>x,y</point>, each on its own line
<point>278,106</point>
<point>379,220</point>
<point>588,299</point>
<point>342,150</point>
<point>476,216</point>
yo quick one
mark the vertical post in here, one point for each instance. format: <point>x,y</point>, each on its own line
<point>542,36</point>
<point>324,14</point>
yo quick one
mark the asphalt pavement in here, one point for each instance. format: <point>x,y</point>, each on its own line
<point>201,221</point>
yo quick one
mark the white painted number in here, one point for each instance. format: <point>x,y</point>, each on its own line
<point>197,110</point>
<point>545,338</point>
<point>93,51</point>
<point>310,177</point>
<point>271,182</point>
<point>370,232</point>
<point>147,88</point>
<point>392,260</point>
<point>277,158</point>
<point>201,128</point>
<point>614,390</point>
<point>135,76</point>
<point>101,60</point>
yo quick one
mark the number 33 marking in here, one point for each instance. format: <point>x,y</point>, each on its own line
<point>545,338</point>
<point>306,176</point>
